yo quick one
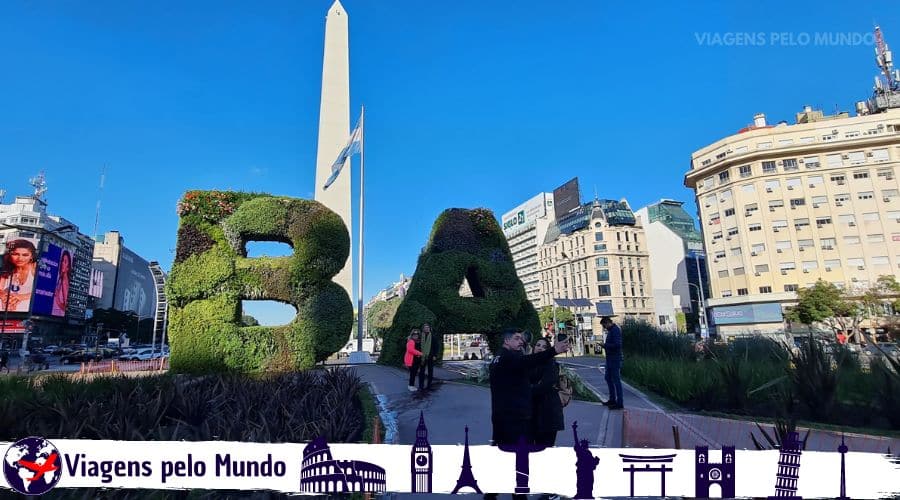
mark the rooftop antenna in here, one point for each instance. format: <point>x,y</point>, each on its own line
<point>596,196</point>
<point>99,195</point>
<point>39,184</point>
<point>885,61</point>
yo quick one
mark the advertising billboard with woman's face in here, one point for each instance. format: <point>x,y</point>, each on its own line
<point>17,274</point>
<point>51,291</point>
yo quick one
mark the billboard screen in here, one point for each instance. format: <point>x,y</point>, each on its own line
<point>51,291</point>
<point>750,313</point>
<point>19,257</point>
<point>566,198</point>
<point>96,288</point>
<point>524,215</point>
<point>135,289</point>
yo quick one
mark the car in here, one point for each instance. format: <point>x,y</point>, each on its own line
<point>143,355</point>
<point>50,349</point>
<point>77,357</point>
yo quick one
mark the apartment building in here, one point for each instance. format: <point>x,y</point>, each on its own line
<point>598,253</point>
<point>782,206</point>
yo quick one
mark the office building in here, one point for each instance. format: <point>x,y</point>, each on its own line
<point>47,296</point>
<point>525,228</point>
<point>677,265</point>
<point>127,283</point>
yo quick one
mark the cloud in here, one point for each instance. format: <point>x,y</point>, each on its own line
<point>259,171</point>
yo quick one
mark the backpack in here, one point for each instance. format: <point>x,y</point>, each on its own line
<point>565,389</point>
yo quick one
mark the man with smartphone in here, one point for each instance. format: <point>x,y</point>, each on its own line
<point>511,402</point>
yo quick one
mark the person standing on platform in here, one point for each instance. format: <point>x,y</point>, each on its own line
<point>412,359</point>
<point>614,358</point>
<point>431,343</point>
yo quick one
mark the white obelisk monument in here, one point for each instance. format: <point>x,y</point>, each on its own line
<point>334,127</point>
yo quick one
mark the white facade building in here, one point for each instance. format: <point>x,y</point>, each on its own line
<point>525,228</point>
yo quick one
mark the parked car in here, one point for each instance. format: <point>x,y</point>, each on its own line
<point>77,357</point>
<point>50,349</point>
<point>142,355</point>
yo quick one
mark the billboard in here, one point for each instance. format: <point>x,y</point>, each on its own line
<point>54,275</point>
<point>524,215</point>
<point>135,289</point>
<point>17,273</point>
<point>566,198</point>
<point>96,288</point>
<point>748,313</point>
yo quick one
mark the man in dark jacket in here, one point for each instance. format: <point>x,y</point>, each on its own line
<point>613,347</point>
<point>511,400</point>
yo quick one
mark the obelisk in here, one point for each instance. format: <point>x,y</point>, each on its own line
<point>334,127</point>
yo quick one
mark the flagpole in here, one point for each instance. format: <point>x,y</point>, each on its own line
<point>362,190</point>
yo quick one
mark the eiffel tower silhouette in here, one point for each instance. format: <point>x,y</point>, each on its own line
<point>465,475</point>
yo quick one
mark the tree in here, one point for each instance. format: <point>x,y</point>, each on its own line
<point>826,303</point>
<point>248,320</point>
<point>885,292</point>
<point>562,315</point>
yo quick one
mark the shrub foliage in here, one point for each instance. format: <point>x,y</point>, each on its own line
<point>212,274</point>
<point>292,407</point>
<point>464,244</point>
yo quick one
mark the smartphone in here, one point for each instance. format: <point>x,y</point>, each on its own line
<point>562,337</point>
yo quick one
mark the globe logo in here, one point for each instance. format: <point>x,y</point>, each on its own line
<point>32,466</point>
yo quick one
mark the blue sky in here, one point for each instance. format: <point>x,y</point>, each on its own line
<point>468,103</point>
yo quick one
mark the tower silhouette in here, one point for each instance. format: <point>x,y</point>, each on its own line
<point>466,479</point>
<point>843,451</point>
<point>788,468</point>
<point>421,466</point>
<point>522,449</point>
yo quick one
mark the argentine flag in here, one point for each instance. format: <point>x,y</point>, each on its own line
<point>352,148</point>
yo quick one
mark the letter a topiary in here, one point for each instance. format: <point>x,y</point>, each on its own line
<point>212,274</point>
<point>464,244</point>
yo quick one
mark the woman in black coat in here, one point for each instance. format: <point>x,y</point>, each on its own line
<point>547,412</point>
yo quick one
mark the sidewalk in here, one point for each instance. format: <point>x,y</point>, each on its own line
<point>451,405</point>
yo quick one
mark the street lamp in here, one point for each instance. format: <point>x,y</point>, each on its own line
<point>40,251</point>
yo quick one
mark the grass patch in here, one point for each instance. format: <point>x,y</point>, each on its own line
<point>370,414</point>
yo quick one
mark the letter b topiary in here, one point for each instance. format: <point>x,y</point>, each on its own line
<point>212,275</point>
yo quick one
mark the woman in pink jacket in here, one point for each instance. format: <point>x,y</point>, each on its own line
<point>413,357</point>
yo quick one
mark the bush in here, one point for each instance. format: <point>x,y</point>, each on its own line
<point>293,407</point>
<point>464,245</point>
<point>211,276</point>
<point>814,379</point>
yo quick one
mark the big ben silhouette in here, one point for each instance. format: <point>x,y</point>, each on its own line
<point>420,464</point>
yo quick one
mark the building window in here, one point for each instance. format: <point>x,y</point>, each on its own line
<point>801,223</point>
<point>858,158</point>
<point>889,194</point>
<point>601,261</point>
<point>822,221</point>
<point>790,288</point>
<point>875,238</point>
<point>752,207</point>
<point>729,212</point>
<point>828,243</point>
<point>865,195</point>
<point>719,254</point>
<point>723,273</point>
<point>809,265</point>
<point>751,227</point>
<point>598,236</point>
<point>839,179</point>
<point>870,217</point>
<point>765,289</point>
<point>851,240</point>
<point>600,247</point>
<point>726,293</point>
<point>841,198</point>
<point>723,177</point>
<point>769,167</point>
<point>742,291</point>
<point>880,155</point>
<point>745,171</point>
<point>791,164</point>
<point>861,174</point>
<point>738,271</point>
<point>736,251</point>
<point>798,202</point>
<point>604,290</point>
<point>718,235</point>
<point>603,275</point>
<point>762,268</point>
<point>811,161</point>
<point>757,248</point>
<point>773,204</point>
<point>732,231</point>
